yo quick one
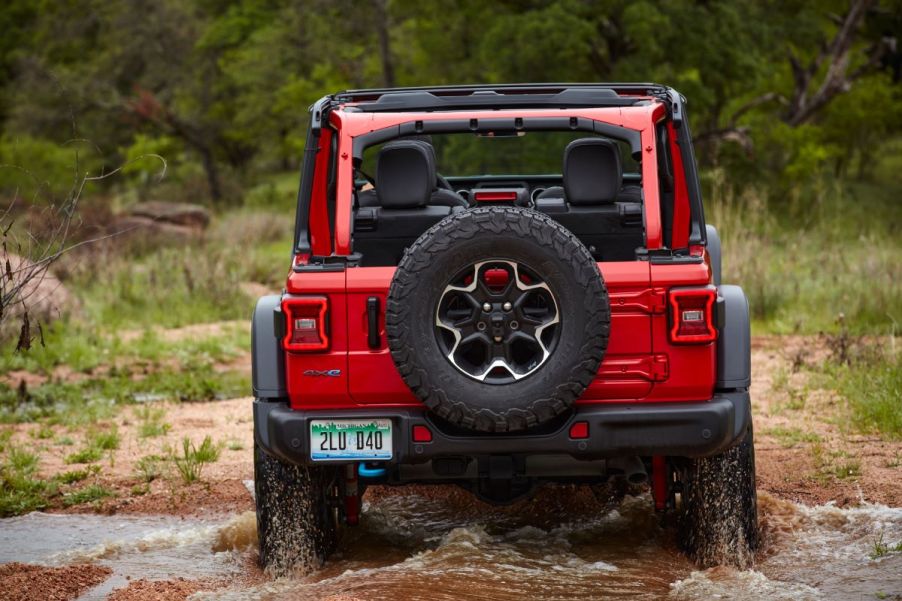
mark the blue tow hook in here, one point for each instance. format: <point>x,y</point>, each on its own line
<point>370,472</point>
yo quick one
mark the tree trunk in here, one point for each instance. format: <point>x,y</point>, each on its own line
<point>212,172</point>
<point>388,66</point>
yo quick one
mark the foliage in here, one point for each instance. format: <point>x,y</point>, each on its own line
<point>88,454</point>
<point>73,476</point>
<point>223,96</point>
<point>149,468</point>
<point>21,490</point>
<point>193,458</point>
<point>870,381</point>
<point>882,548</point>
<point>151,422</point>
<point>807,257</point>
<point>88,494</point>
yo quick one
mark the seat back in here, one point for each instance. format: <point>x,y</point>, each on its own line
<point>390,217</point>
<point>594,204</point>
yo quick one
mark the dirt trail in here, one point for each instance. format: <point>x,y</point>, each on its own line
<point>802,450</point>
<point>800,443</point>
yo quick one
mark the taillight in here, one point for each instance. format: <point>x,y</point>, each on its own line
<point>306,318</point>
<point>692,315</point>
<point>495,195</point>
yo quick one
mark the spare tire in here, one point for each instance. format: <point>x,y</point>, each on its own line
<point>497,319</point>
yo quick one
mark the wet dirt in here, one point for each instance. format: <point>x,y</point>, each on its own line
<point>423,544</point>
<point>820,531</point>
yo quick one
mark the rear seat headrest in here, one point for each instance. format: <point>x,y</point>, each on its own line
<point>592,171</point>
<point>405,174</point>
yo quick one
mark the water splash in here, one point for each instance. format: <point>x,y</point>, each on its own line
<point>441,545</point>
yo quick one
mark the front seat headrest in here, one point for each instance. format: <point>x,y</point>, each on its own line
<point>592,171</point>
<point>405,174</point>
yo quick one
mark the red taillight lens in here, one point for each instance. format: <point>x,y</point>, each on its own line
<point>579,430</point>
<point>495,195</point>
<point>692,315</point>
<point>421,434</point>
<point>306,317</point>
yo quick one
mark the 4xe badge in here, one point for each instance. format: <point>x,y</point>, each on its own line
<point>330,373</point>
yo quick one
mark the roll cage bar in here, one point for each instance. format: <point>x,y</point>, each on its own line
<point>492,97</point>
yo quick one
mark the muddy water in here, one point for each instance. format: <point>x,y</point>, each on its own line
<point>438,545</point>
<point>156,548</point>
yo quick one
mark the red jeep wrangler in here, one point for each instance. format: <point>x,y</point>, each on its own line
<point>498,287</point>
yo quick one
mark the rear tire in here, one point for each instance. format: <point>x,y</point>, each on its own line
<point>296,522</point>
<point>719,520</point>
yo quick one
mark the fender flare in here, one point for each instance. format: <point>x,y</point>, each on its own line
<point>734,340</point>
<point>714,253</point>
<point>267,356</point>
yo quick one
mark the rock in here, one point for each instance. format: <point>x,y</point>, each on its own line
<point>157,231</point>
<point>176,213</point>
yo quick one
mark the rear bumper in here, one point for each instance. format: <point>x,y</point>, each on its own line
<point>685,429</point>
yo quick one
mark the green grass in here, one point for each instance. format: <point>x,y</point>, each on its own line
<point>831,464</point>
<point>872,389</point>
<point>73,476</point>
<point>43,432</point>
<point>149,468</point>
<point>21,460</point>
<point>84,347</point>
<point>20,490</point>
<point>104,440</point>
<point>808,255</point>
<point>94,399</point>
<point>86,455</point>
<point>790,437</point>
<point>151,422</point>
<point>193,283</point>
<point>866,372</point>
<point>193,458</point>
<point>881,548</point>
<point>88,494</point>
<point>96,443</point>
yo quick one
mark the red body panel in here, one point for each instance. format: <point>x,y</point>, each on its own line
<point>320,391</point>
<point>350,124</point>
<point>641,364</point>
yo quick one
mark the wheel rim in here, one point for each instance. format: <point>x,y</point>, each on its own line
<point>497,321</point>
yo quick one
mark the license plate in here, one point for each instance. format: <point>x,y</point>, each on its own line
<point>350,440</point>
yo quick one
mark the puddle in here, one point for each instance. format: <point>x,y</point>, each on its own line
<point>441,547</point>
<point>156,548</point>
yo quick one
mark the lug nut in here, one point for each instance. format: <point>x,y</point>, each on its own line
<point>514,325</point>
<point>486,307</point>
<point>497,338</point>
<point>507,306</point>
<point>480,326</point>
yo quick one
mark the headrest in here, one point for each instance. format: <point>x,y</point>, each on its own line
<point>405,174</point>
<point>592,171</point>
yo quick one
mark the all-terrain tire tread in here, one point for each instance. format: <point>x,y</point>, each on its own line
<point>459,229</point>
<point>294,525</point>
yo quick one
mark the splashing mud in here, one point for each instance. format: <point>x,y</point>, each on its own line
<point>439,544</point>
<point>443,546</point>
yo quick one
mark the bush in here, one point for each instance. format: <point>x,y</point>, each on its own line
<point>31,166</point>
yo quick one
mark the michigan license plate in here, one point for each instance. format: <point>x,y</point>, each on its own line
<point>350,440</point>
